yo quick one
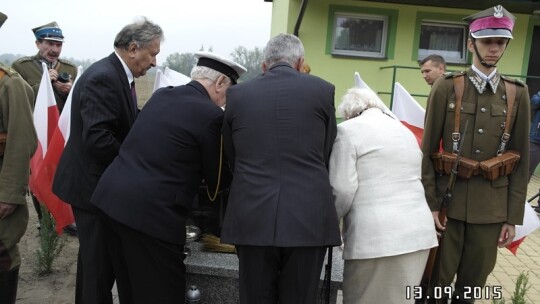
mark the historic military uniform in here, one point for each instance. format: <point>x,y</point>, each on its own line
<point>30,67</point>
<point>31,70</point>
<point>479,205</point>
<point>17,128</point>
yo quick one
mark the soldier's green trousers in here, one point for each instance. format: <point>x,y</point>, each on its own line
<point>12,229</point>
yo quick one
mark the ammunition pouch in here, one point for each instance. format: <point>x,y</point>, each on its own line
<point>491,169</point>
<point>445,161</point>
<point>3,138</point>
<point>500,165</point>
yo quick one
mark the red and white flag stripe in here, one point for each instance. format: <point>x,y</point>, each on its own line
<point>52,132</point>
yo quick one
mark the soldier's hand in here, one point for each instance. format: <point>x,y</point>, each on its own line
<point>438,225</point>
<point>53,74</point>
<point>6,209</point>
<point>63,87</point>
<point>508,232</point>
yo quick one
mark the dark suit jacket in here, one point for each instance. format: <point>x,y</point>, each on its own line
<point>278,131</point>
<point>174,143</point>
<point>102,113</point>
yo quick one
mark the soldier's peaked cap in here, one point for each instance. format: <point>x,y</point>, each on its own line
<point>49,31</point>
<point>495,21</point>
<point>3,18</point>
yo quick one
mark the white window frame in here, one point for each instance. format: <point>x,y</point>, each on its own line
<point>423,53</point>
<point>383,37</point>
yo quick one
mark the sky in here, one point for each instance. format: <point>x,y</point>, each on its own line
<point>89,27</point>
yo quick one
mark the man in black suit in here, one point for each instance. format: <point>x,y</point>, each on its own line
<point>148,190</point>
<point>104,108</point>
<point>278,132</point>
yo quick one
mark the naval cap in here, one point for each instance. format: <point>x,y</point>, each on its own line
<point>49,31</point>
<point>3,18</point>
<point>495,21</point>
<point>223,65</point>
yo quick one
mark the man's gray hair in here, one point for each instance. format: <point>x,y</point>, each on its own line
<point>203,72</point>
<point>142,32</point>
<point>357,100</point>
<point>283,47</point>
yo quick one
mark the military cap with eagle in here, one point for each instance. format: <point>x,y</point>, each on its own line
<point>49,31</point>
<point>493,22</point>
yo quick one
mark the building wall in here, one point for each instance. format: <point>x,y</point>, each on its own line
<point>316,34</point>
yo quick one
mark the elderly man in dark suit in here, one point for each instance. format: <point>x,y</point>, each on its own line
<point>148,190</point>
<point>278,133</point>
<point>103,111</point>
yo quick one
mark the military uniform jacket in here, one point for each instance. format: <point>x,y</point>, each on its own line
<point>278,133</point>
<point>16,105</point>
<point>477,200</point>
<point>174,143</point>
<point>31,70</point>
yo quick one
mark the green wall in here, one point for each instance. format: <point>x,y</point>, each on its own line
<point>315,33</point>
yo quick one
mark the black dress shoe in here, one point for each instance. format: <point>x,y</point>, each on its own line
<point>71,229</point>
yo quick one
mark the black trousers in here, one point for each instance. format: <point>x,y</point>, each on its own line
<point>284,275</point>
<point>95,274</point>
<point>151,269</point>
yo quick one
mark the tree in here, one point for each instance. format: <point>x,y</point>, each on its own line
<point>183,63</point>
<point>251,60</point>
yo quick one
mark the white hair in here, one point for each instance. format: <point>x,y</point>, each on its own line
<point>357,100</point>
<point>203,72</point>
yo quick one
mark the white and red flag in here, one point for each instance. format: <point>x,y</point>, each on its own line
<point>52,132</point>
<point>359,83</point>
<point>408,111</point>
<point>169,78</point>
<point>530,224</point>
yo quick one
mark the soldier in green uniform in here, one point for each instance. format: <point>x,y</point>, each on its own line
<point>17,145</point>
<point>49,41</point>
<point>490,191</point>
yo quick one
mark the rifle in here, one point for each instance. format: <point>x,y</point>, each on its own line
<point>434,253</point>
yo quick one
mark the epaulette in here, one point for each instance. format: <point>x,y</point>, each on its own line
<point>24,59</point>
<point>513,80</point>
<point>9,71</point>
<point>64,61</point>
<point>449,75</point>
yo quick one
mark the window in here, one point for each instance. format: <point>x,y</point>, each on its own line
<point>447,40</point>
<point>360,35</point>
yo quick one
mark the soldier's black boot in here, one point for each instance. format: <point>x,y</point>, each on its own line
<point>8,286</point>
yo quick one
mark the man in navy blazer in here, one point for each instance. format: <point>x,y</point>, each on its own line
<point>278,133</point>
<point>147,192</point>
<point>103,111</point>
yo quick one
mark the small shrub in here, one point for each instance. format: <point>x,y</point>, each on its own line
<point>50,243</point>
<point>522,285</point>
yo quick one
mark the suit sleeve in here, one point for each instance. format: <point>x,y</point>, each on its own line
<point>519,141</point>
<point>343,174</point>
<point>331,127</point>
<point>433,130</point>
<point>16,103</point>
<point>212,156</point>
<point>100,109</point>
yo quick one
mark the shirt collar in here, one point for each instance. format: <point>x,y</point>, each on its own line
<point>130,77</point>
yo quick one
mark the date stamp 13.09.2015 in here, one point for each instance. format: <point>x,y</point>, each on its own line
<point>469,293</point>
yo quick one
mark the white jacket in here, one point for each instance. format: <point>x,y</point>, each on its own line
<point>375,172</point>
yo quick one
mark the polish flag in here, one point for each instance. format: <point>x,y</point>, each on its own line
<point>408,111</point>
<point>359,83</point>
<point>52,132</point>
<point>169,78</point>
<point>530,224</point>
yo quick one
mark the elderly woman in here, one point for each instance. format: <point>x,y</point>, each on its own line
<point>388,228</point>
